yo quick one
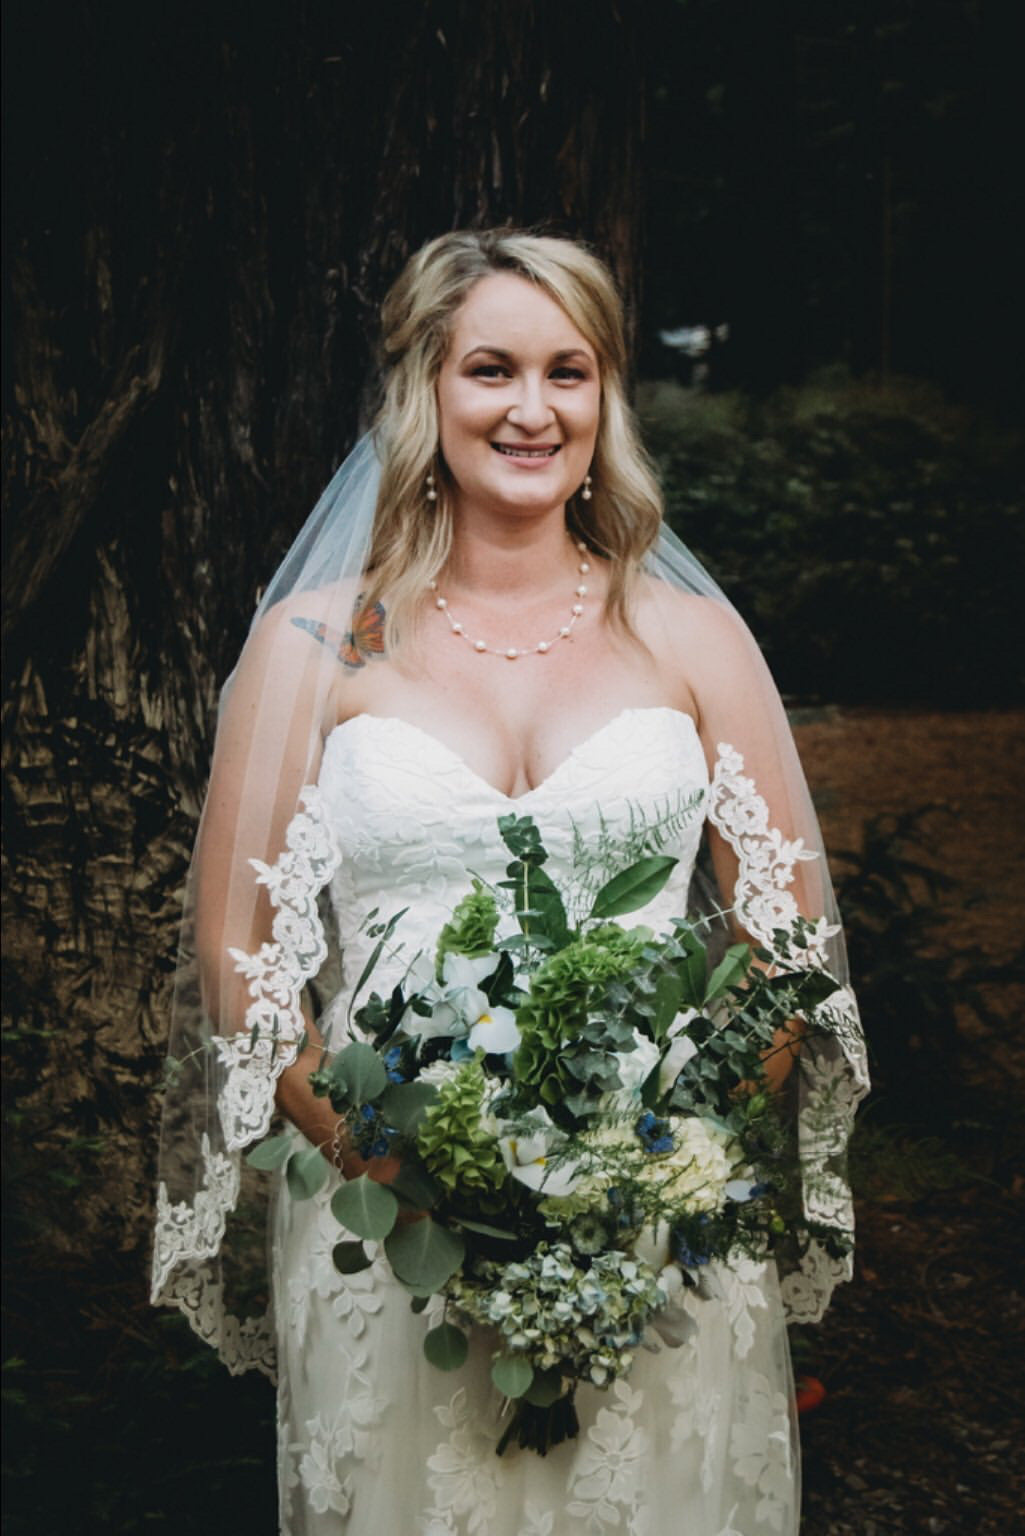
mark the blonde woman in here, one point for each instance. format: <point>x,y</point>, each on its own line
<point>483,614</point>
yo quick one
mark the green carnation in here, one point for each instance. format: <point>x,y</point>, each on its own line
<point>472,928</point>
<point>457,1151</point>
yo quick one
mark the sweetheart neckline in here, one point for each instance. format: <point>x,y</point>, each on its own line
<point>561,765</point>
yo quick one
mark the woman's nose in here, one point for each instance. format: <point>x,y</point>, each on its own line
<point>531,410</point>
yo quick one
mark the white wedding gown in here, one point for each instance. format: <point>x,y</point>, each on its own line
<point>699,1440</point>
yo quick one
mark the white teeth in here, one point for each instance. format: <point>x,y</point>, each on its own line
<point>526,453</point>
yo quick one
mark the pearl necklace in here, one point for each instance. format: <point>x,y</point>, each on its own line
<point>512,652</point>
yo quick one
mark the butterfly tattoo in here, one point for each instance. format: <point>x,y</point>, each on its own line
<point>356,646</point>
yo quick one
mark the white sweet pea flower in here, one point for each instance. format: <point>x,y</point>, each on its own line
<point>528,1156</point>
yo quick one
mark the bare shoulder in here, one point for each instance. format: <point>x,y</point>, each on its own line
<point>686,624</point>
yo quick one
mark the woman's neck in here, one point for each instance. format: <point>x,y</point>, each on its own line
<point>511,558</point>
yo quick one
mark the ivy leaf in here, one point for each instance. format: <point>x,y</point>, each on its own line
<point>365,1207</point>
<point>512,1375</point>
<point>446,1346</point>
<point>424,1254</point>
<point>732,968</point>
<point>633,887</point>
<point>305,1173</point>
<point>350,1258</point>
<point>359,1072</point>
<point>272,1153</point>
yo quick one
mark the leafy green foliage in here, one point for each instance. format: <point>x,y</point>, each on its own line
<point>365,1207</point>
<point>305,1172</point>
<point>446,1347</point>
<point>633,887</point>
<point>350,1258</point>
<point>871,536</point>
<point>271,1153</point>
<point>404,1105</point>
<point>356,1074</point>
<point>424,1254</point>
<point>512,1375</point>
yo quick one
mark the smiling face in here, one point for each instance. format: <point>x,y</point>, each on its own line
<point>519,396</point>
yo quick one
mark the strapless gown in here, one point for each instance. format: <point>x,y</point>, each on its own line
<point>699,1440</point>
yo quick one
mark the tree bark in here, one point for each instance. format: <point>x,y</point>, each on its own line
<point>206,207</point>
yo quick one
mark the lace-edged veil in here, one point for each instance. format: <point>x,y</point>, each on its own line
<point>253,946</point>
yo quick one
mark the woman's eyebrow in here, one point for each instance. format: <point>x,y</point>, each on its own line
<point>557,357</point>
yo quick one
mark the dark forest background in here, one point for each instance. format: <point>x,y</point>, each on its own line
<point>204,207</point>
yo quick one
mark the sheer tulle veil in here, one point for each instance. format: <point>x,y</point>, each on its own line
<point>255,948</point>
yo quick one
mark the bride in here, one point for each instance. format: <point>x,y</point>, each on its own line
<point>482,615</point>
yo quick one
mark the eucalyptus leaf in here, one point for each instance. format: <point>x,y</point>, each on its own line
<point>512,1375</point>
<point>359,1071</point>
<point>424,1254</point>
<point>350,1258</point>
<point>272,1153</point>
<point>365,1207</point>
<point>415,1187</point>
<point>545,1389</point>
<point>633,887</point>
<point>305,1173</point>
<point>446,1346</point>
<point>403,1105</point>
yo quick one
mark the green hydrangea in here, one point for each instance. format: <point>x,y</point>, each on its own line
<point>471,930</point>
<point>455,1148</point>
<point>566,989</point>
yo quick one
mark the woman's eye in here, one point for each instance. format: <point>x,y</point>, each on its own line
<point>568,373</point>
<point>489,371</point>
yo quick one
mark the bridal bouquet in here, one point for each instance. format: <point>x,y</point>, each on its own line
<point>582,1123</point>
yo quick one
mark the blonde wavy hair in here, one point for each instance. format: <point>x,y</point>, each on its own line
<point>412,536</point>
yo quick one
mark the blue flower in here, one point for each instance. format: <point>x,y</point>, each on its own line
<point>653,1133</point>
<point>684,1254</point>
<point>391,1062</point>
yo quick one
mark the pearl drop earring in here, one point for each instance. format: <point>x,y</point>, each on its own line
<point>585,494</point>
<point>432,492</point>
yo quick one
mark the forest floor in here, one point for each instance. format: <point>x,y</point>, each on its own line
<point>922,1430</point>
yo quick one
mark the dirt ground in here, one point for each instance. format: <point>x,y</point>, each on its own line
<point>923,1426</point>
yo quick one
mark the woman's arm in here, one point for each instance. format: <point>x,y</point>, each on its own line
<point>738,706</point>
<point>276,715</point>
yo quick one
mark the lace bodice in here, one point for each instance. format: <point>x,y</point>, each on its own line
<point>414,822</point>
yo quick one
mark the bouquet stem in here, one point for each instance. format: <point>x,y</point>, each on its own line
<point>538,1429</point>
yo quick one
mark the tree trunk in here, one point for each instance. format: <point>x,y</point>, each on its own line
<point>205,212</point>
